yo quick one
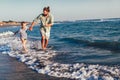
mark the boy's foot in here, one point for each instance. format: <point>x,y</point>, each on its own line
<point>39,49</point>
<point>25,51</point>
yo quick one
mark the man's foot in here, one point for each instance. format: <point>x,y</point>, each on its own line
<point>44,49</point>
<point>39,49</point>
<point>25,50</point>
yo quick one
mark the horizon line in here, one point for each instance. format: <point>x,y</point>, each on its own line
<point>68,20</point>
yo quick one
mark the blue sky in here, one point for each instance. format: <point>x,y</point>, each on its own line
<point>27,10</point>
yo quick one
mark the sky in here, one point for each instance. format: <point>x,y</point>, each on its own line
<point>62,10</point>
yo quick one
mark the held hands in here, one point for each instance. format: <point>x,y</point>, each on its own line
<point>30,28</point>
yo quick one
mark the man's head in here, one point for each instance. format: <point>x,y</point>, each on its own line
<point>23,24</point>
<point>46,10</point>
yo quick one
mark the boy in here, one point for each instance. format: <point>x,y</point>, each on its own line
<point>23,35</point>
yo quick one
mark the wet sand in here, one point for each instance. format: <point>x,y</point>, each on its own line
<point>11,69</point>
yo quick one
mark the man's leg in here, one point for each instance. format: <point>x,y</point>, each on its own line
<point>46,43</point>
<point>43,42</point>
<point>47,39</point>
<point>45,36</point>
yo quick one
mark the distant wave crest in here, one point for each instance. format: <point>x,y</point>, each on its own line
<point>103,44</point>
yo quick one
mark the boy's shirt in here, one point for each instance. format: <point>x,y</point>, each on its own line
<point>23,33</point>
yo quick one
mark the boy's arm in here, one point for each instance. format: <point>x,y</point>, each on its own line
<point>16,32</point>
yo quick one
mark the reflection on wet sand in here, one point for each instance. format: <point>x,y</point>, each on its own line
<point>11,69</point>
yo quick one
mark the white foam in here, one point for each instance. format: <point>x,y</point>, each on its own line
<point>8,33</point>
<point>42,63</point>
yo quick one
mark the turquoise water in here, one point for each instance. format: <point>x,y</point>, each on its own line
<point>95,42</point>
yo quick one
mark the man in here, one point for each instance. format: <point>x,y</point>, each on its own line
<point>46,22</point>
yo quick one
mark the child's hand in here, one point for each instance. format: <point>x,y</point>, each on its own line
<point>15,32</point>
<point>30,28</point>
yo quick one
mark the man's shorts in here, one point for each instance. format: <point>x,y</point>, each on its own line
<point>45,31</point>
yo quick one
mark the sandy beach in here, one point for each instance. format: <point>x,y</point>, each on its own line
<point>11,23</point>
<point>11,69</point>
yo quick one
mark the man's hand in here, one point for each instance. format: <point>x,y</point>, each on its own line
<point>48,25</point>
<point>32,25</point>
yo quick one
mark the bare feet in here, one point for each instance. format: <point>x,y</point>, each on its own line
<point>25,50</point>
<point>44,49</point>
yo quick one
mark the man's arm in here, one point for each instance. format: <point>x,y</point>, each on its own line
<point>51,22</point>
<point>49,25</point>
<point>35,21</point>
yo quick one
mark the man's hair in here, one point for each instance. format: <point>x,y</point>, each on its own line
<point>22,23</point>
<point>46,9</point>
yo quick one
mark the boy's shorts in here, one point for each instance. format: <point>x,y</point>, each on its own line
<point>23,37</point>
<point>45,31</point>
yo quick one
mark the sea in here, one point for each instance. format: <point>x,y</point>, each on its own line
<point>89,48</point>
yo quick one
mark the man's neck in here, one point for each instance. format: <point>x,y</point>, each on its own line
<point>46,15</point>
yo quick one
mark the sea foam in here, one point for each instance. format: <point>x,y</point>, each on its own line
<point>41,61</point>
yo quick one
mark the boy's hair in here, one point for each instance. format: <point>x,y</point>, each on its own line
<point>46,9</point>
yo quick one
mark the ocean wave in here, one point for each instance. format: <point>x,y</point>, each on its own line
<point>7,33</point>
<point>41,62</point>
<point>102,44</point>
<point>99,20</point>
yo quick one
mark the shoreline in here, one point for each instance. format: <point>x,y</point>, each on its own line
<point>9,25</point>
<point>11,69</point>
<point>12,23</point>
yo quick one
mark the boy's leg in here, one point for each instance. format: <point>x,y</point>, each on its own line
<point>24,44</point>
<point>25,41</point>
